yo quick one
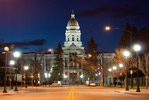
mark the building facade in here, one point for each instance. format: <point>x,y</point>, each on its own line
<point>72,49</point>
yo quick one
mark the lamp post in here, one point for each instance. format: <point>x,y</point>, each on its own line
<point>81,76</point>
<point>126,54</point>
<point>16,54</point>
<point>12,63</point>
<point>110,77</point>
<point>65,76</point>
<point>114,68</point>
<point>108,28</point>
<point>137,48</point>
<point>46,76</point>
<point>25,80</point>
<point>6,49</point>
<point>89,56</point>
<point>121,66</point>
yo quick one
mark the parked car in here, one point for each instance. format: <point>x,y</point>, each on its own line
<point>92,84</point>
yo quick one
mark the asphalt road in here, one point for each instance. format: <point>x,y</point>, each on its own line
<point>72,93</point>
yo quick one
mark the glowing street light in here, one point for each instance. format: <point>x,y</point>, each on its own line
<point>89,55</point>
<point>6,49</point>
<point>12,62</point>
<point>16,54</point>
<point>107,28</point>
<point>50,50</point>
<point>46,75</point>
<point>137,48</point>
<point>114,67</point>
<point>126,54</point>
<point>120,65</point>
<point>109,69</point>
<point>96,74</point>
<point>26,67</point>
<point>49,75</point>
<point>25,80</point>
<point>81,76</point>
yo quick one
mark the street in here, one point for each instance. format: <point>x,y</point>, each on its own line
<point>72,93</point>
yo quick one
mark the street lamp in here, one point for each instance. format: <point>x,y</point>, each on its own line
<point>25,80</point>
<point>89,55</point>
<point>120,65</point>
<point>12,63</point>
<point>51,50</point>
<point>65,76</point>
<point>114,67</point>
<point>137,48</point>
<point>126,54</point>
<point>6,49</point>
<point>16,54</point>
<point>107,28</point>
<point>109,69</point>
<point>110,77</point>
<point>81,76</point>
<point>26,67</point>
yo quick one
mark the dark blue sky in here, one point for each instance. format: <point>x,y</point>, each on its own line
<point>34,24</point>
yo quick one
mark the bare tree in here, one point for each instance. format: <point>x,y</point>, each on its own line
<point>144,66</point>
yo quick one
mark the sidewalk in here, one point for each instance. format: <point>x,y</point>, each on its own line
<point>133,92</point>
<point>11,91</point>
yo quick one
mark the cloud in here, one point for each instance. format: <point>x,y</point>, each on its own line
<point>25,45</point>
<point>115,11</point>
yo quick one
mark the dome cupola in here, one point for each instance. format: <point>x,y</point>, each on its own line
<point>73,23</point>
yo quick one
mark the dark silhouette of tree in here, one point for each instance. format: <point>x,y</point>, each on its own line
<point>91,63</point>
<point>144,56</point>
<point>57,73</point>
<point>124,41</point>
<point>128,37</point>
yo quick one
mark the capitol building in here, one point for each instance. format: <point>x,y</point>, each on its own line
<point>72,71</point>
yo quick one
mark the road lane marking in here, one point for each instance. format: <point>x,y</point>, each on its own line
<point>71,94</point>
<point>72,98</point>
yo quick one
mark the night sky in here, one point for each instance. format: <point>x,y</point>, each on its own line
<point>34,24</point>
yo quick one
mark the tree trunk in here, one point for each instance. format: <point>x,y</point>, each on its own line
<point>117,81</point>
<point>146,77</point>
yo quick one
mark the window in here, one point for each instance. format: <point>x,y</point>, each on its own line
<point>65,62</point>
<point>68,39</point>
<point>77,39</point>
<point>72,37</point>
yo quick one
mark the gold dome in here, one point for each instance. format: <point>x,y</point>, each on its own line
<point>72,21</point>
